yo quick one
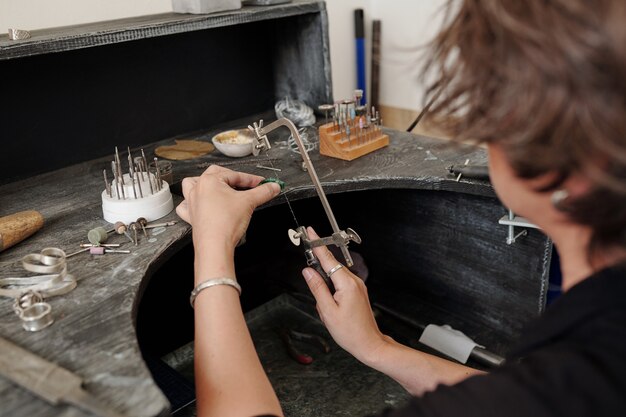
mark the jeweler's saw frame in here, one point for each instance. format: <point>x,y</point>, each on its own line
<point>339,238</point>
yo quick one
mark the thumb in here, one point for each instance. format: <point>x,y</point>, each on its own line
<point>263,193</point>
<point>319,289</point>
<point>183,211</point>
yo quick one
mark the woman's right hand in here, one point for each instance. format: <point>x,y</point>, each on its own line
<point>347,314</point>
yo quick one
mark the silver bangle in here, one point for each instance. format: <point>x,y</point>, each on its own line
<point>210,283</point>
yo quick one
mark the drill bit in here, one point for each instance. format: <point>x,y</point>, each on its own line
<point>119,166</point>
<point>117,182</point>
<point>106,183</point>
<point>145,164</point>
<point>138,184</point>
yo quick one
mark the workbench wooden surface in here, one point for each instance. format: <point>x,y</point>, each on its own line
<point>93,334</point>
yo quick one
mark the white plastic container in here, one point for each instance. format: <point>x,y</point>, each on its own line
<point>152,206</point>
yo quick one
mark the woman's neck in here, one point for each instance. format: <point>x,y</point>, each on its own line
<point>577,264</point>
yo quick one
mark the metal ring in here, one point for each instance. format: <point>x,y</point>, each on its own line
<point>335,269</point>
<point>25,300</point>
<point>17,34</point>
<point>36,317</point>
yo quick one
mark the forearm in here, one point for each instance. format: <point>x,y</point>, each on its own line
<point>416,371</point>
<point>230,380</point>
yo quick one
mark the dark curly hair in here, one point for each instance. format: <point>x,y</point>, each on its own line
<point>545,80</point>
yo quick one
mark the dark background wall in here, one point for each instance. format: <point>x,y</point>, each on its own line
<point>62,108</point>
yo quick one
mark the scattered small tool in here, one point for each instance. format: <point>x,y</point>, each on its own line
<point>100,250</point>
<point>269,168</point>
<point>288,336</point>
<point>134,226</point>
<point>479,172</point>
<point>120,228</point>
<point>165,224</point>
<point>77,252</point>
<point>143,222</point>
<point>97,236</point>
<point>47,380</point>
<point>16,227</point>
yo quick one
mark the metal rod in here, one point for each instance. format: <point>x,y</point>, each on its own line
<point>138,184</point>
<point>145,164</point>
<point>511,238</point>
<point>138,161</point>
<point>130,164</point>
<point>309,165</point>
<point>165,224</point>
<point>158,173</point>
<point>269,168</point>
<point>106,183</point>
<point>117,182</point>
<point>119,166</point>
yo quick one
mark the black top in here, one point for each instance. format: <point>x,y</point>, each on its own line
<point>571,362</point>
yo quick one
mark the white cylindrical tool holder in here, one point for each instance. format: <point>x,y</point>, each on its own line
<point>124,207</point>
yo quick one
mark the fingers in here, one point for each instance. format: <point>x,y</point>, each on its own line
<point>183,211</point>
<point>188,184</point>
<point>326,258</point>
<point>234,178</point>
<point>340,277</point>
<point>263,193</point>
<point>319,289</point>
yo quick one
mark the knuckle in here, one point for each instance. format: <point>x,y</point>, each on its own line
<point>316,285</point>
<point>213,169</point>
<point>351,284</point>
<point>326,253</point>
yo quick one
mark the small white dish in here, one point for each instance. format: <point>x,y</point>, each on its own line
<point>234,143</point>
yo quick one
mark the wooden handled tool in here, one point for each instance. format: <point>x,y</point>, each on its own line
<point>17,227</point>
<point>47,380</point>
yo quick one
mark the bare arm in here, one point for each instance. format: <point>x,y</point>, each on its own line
<point>348,316</point>
<point>416,371</point>
<point>230,380</point>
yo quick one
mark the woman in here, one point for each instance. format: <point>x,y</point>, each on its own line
<point>543,84</point>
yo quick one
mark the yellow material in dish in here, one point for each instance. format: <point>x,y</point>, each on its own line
<point>236,137</point>
<point>234,143</point>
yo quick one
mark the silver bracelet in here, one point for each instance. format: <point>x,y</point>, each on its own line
<point>211,282</point>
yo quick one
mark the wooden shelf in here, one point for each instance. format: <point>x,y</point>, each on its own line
<point>70,38</point>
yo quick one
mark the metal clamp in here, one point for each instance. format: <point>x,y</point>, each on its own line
<point>512,221</point>
<point>260,141</point>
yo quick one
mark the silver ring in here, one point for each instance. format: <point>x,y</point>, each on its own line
<point>36,317</point>
<point>17,34</point>
<point>335,269</point>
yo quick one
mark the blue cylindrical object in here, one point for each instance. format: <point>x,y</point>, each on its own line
<point>359,35</point>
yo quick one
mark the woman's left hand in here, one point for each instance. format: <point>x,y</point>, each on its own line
<point>347,313</point>
<point>219,204</point>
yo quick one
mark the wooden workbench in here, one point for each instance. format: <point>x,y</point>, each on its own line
<point>94,335</point>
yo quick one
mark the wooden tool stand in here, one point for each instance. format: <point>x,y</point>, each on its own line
<point>336,143</point>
